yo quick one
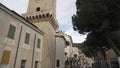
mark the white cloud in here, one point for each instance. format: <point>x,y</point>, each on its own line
<point>65,10</point>
<point>19,6</point>
<point>77,38</point>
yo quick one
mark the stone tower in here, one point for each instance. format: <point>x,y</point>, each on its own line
<point>42,13</point>
<point>42,5</point>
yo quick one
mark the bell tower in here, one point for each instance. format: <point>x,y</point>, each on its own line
<point>42,5</point>
<point>42,14</point>
<point>42,10</point>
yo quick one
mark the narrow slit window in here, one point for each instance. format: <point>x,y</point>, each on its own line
<point>58,63</point>
<point>38,43</point>
<point>36,64</point>
<point>38,9</point>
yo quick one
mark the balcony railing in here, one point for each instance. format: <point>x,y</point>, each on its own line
<point>4,65</point>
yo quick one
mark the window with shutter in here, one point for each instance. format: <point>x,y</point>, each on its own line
<point>11,32</point>
<point>38,43</point>
<point>27,37</point>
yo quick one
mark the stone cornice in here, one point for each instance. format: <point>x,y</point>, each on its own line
<point>41,16</point>
<point>20,18</point>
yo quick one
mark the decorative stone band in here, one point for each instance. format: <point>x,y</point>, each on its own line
<point>40,16</point>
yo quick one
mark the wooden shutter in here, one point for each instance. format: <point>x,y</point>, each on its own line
<point>5,57</point>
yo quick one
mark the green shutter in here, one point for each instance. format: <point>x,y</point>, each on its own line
<point>11,32</point>
<point>38,43</point>
<point>27,37</point>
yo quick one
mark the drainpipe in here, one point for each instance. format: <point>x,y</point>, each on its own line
<point>18,46</point>
<point>33,52</point>
<point>55,51</point>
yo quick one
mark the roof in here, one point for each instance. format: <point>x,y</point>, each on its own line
<point>20,18</point>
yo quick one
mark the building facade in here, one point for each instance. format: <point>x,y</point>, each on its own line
<point>60,54</point>
<point>82,60</point>
<point>20,41</point>
<point>42,13</point>
<point>33,39</point>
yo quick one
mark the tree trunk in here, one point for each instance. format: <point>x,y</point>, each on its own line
<point>111,43</point>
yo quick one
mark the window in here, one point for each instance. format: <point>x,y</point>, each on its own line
<point>5,57</point>
<point>23,62</point>
<point>65,54</point>
<point>58,63</point>
<point>36,64</point>
<point>11,32</point>
<point>38,43</point>
<point>67,43</point>
<point>38,9</point>
<point>75,55</point>
<point>27,37</point>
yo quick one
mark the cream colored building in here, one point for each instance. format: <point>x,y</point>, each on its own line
<point>68,48</point>
<point>85,62</point>
<point>42,13</point>
<point>34,43</point>
<point>20,41</point>
<point>60,45</point>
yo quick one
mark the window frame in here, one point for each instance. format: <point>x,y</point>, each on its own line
<point>38,9</point>
<point>36,64</point>
<point>27,38</point>
<point>38,43</point>
<point>23,63</point>
<point>11,32</point>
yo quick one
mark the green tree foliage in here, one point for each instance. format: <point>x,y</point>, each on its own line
<point>85,49</point>
<point>97,15</point>
<point>93,44</point>
<point>99,18</point>
<point>116,39</point>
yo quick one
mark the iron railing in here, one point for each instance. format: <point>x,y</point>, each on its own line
<point>106,64</point>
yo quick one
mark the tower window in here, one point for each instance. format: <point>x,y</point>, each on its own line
<point>38,9</point>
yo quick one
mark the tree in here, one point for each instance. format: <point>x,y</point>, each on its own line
<point>94,44</point>
<point>98,16</point>
<point>87,51</point>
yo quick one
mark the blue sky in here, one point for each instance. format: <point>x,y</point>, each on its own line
<point>65,9</point>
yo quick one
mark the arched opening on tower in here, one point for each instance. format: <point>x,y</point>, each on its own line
<point>38,9</point>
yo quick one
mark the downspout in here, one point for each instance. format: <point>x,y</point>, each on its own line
<point>55,51</point>
<point>18,46</point>
<point>33,52</point>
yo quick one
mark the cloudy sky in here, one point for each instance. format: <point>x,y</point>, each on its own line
<point>65,10</point>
